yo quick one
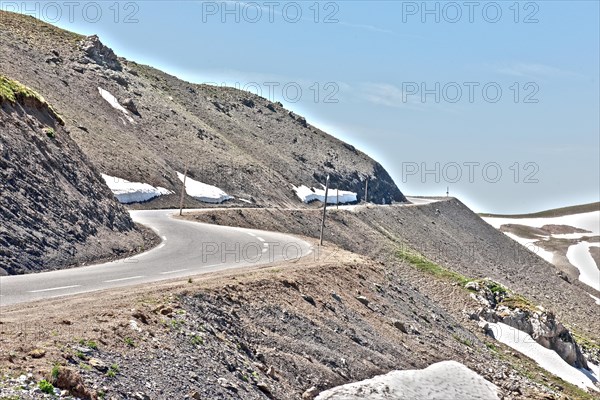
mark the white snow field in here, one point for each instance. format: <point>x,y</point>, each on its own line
<point>530,244</point>
<point>589,221</point>
<point>545,358</point>
<point>133,192</point>
<point>202,191</point>
<point>579,255</point>
<point>307,195</point>
<point>595,298</point>
<point>441,381</point>
<point>112,100</point>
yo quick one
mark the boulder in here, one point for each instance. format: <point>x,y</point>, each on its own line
<point>363,300</point>
<point>130,105</point>
<point>98,364</point>
<point>310,393</point>
<point>37,353</point>
<point>70,380</point>
<point>401,326</point>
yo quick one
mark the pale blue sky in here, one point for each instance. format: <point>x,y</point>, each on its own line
<point>373,57</point>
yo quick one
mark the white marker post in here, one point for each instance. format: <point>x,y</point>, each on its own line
<point>183,191</point>
<point>324,212</point>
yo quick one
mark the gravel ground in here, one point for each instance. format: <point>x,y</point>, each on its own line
<point>283,332</point>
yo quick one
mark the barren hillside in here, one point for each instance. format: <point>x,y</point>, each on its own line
<point>251,148</point>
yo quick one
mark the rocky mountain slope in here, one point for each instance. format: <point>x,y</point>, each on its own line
<point>55,210</point>
<point>288,331</point>
<point>249,147</point>
<point>446,232</point>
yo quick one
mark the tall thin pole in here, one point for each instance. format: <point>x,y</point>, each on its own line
<point>183,191</point>
<point>324,212</point>
<point>367,190</point>
<point>337,199</point>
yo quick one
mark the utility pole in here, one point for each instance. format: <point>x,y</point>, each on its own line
<point>324,212</point>
<point>367,190</point>
<point>447,191</point>
<point>183,191</point>
<point>337,199</point>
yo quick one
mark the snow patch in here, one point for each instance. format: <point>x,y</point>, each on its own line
<point>579,255</point>
<point>589,221</point>
<point>545,358</point>
<point>112,100</point>
<point>308,195</point>
<point>202,191</point>
<point>530,244</point>
<point>440,381</point>
<point>595,298</point>
<point>133,192</point>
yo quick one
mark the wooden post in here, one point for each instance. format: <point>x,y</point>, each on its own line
<point>324,212</point>
<point>367,190</point>
<point>183,191</point>
<point>337,199</point>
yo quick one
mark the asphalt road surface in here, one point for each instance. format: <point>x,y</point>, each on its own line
<point>187,248</point>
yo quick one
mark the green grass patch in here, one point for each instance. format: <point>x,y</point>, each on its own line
<point>460,339</point>
<point>12,91</point>
<point>492,347</point>
<point>197,340</point>
<point>15,92</point>
<point>54,373</point>
<point>422,263</point>
<point>89,343</point>
<point>496,288</point>
<point>584,341</point>
<point>518,301</point>
<point>112,371</point>
<point>46,387</point>
<point>50,132</point>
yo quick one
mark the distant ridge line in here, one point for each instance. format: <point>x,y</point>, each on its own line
<point>556,212</point>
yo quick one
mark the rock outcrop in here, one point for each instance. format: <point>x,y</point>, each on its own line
<point>500,305</point>
<point>95,51</point>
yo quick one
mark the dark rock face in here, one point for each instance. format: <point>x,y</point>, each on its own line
<point>55,209</point>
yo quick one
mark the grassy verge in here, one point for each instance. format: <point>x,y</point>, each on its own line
<point>520,302</point>
<point>422,263</point>
<point>15,92</point>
